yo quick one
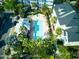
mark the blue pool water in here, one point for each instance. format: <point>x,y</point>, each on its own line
<point>38,30</point>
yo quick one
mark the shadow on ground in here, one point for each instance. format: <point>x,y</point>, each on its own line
<point>6,24</point>
<point>2,43</point>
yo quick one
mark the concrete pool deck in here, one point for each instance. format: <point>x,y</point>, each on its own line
<point>44,27</point>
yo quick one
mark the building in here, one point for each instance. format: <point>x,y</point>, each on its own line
<point>69,22</point>
<point>39,2</point>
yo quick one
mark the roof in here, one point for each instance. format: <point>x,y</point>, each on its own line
<point>69,17</point>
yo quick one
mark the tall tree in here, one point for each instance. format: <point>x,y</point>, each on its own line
<point>10,4</point>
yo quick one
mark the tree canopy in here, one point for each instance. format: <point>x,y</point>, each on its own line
<point>77,4</point>
<point>10,4</point>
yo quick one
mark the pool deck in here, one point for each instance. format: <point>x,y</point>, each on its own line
<point>45,27</point>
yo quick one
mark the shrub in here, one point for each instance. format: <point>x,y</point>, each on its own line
<point>51,57</point>
<point>58,31</point>
<point>33,5</point>
<point>1,8</point>
<point>65,54</point>
<point>77,4</point>
<point>53,19</point>
<point>30,20</point>
<point>23,28</point>
<point>7,51</point>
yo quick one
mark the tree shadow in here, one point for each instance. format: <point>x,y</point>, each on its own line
<point>2,43</point>
<point>7,24</point>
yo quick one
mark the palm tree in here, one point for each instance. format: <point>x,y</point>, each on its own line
<point>9,4</point>
<point>53,20</point>
<point>48,12</point>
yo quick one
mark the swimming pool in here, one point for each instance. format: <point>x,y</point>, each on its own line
<point>38,30</point>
